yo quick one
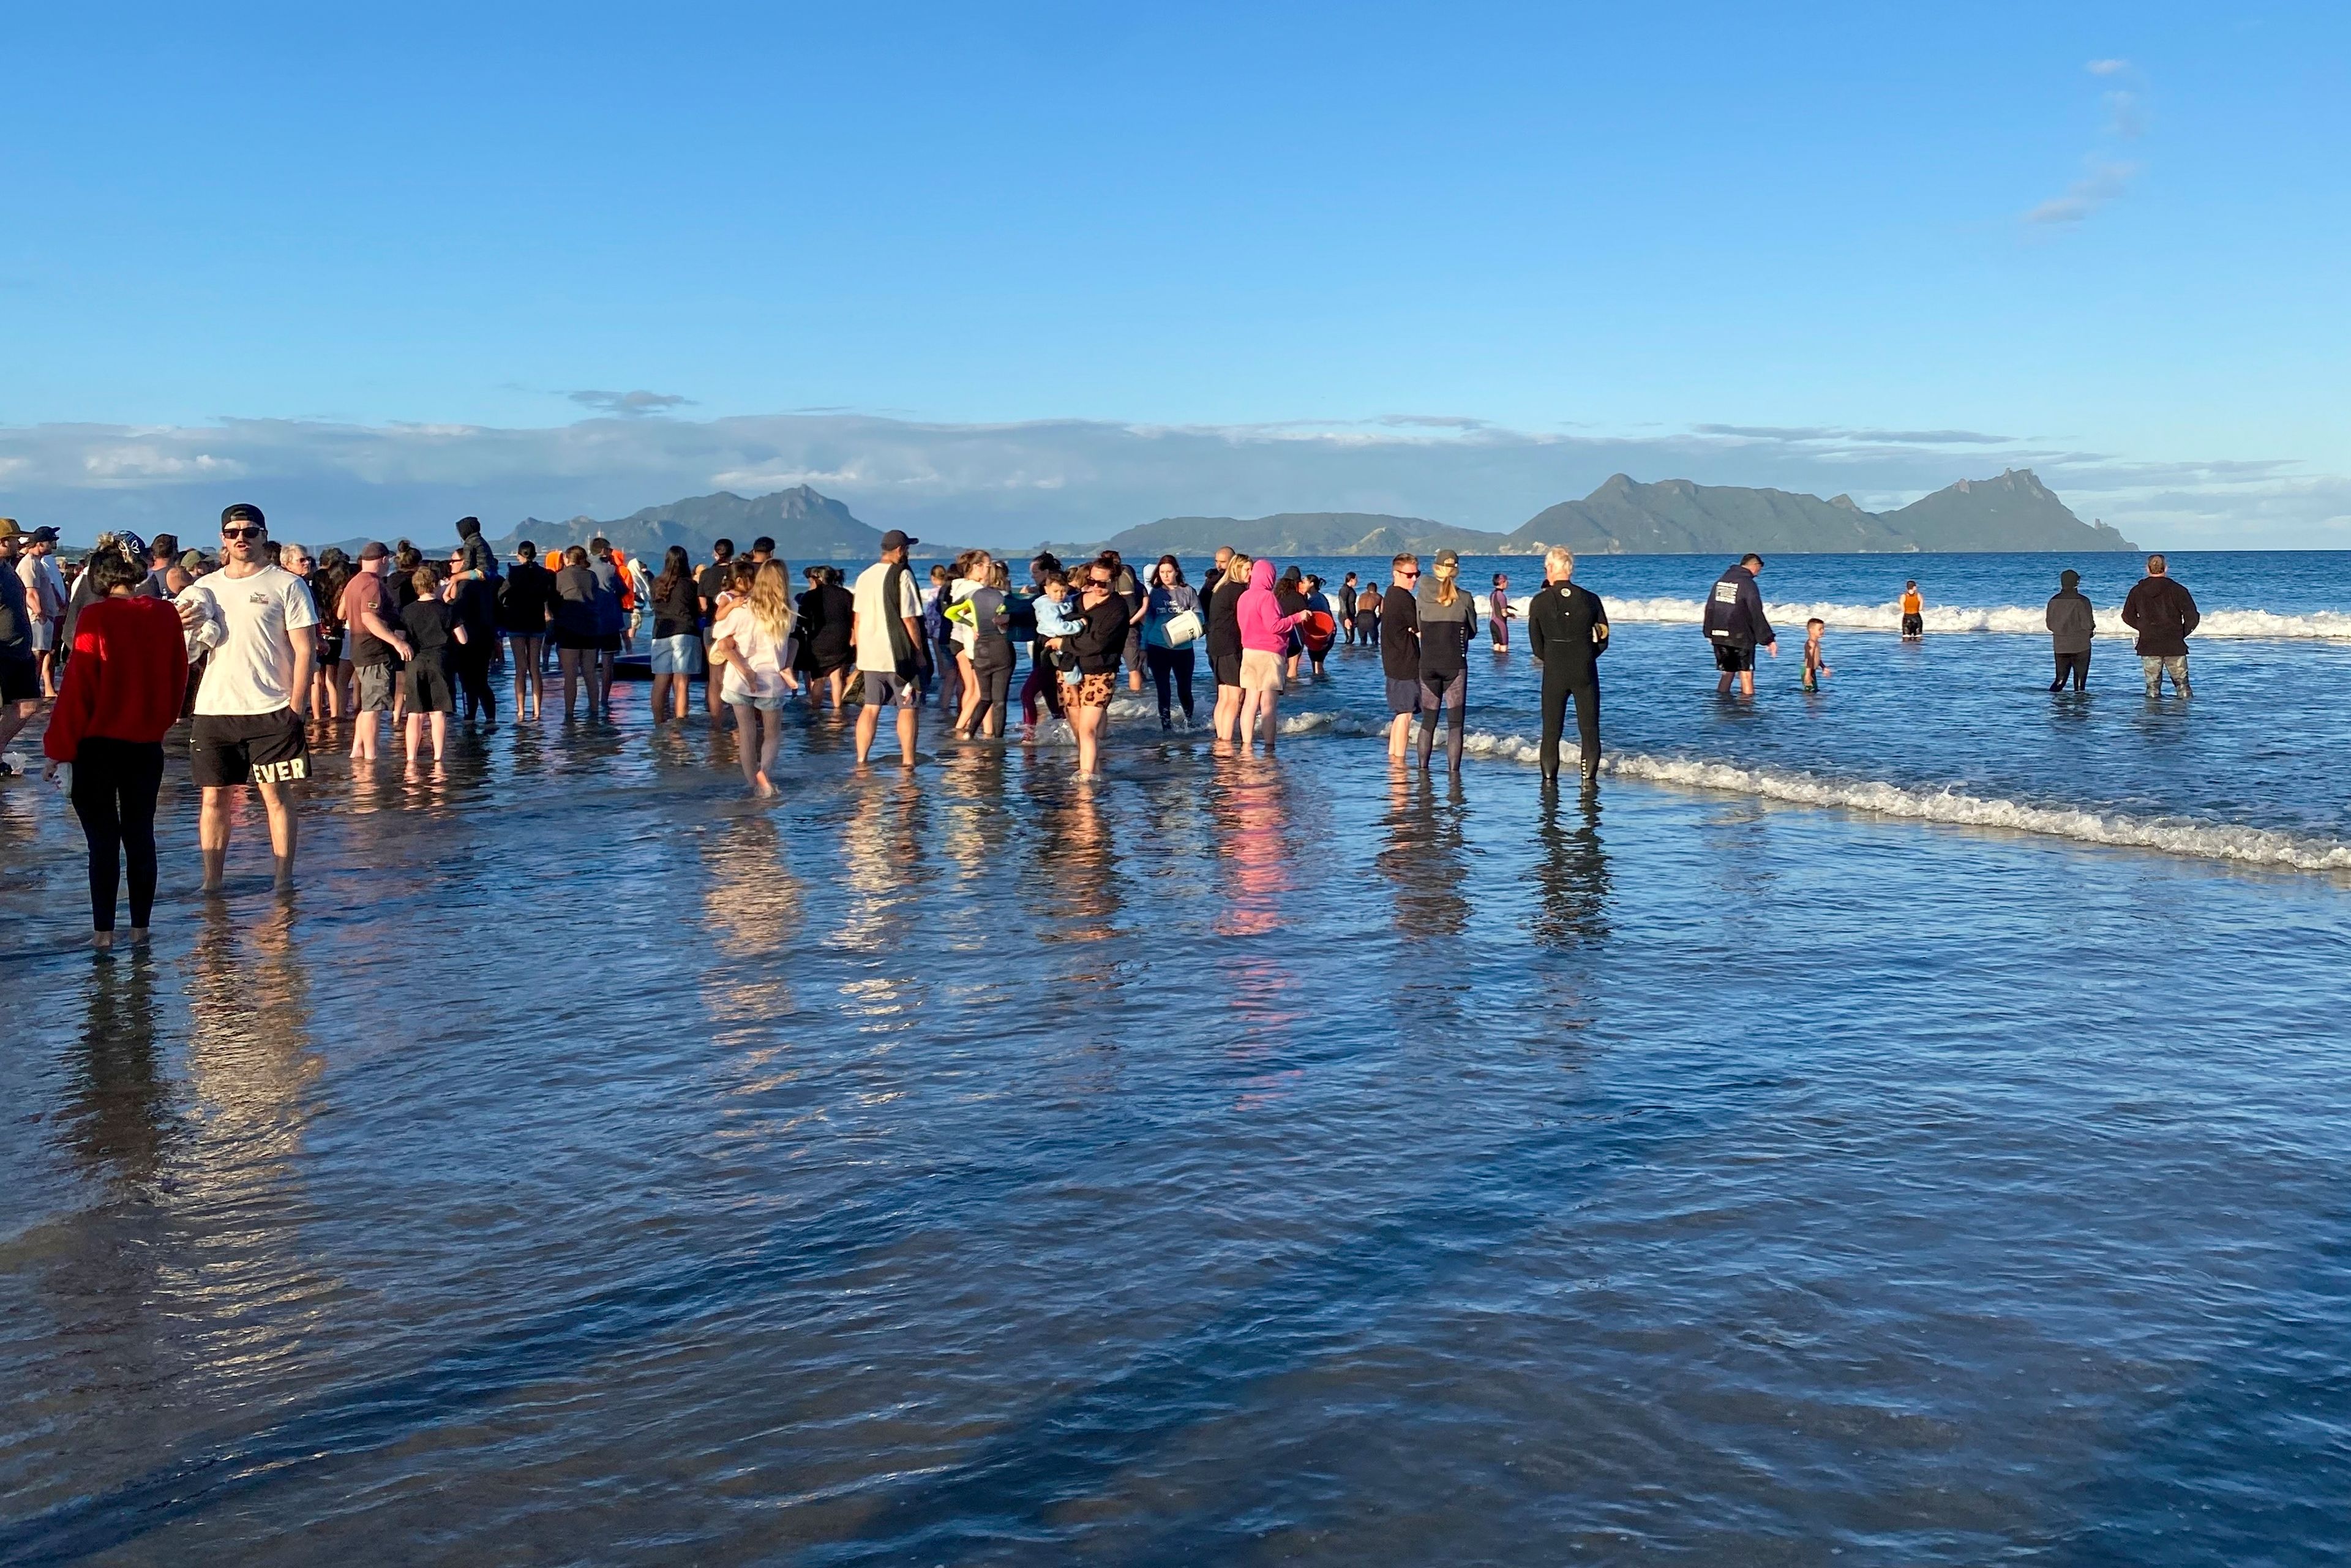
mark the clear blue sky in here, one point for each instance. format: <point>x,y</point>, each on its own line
<point>1619,220</point>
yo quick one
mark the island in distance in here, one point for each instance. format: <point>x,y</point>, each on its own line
<point>1673,516</point>
<point>1623,517</point>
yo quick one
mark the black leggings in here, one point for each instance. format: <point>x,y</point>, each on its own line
<point>1453,690</point>
<point>994,694</point>
<point>114,786</point>
<point>473,663</point>
<point>1555,695</point>
<point>1166,661</point>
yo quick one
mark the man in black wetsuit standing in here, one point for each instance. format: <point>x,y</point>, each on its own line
<point>1567,627</point>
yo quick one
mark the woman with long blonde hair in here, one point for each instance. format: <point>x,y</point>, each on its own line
<point>1447,618</point>
<point>750,638</point>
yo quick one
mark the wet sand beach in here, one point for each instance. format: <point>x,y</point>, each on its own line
<point>1228,1161</point>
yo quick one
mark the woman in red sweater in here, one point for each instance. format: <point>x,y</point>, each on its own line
<point>121,692</point>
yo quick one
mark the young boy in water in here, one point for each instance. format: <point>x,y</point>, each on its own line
<point>1813,668</point>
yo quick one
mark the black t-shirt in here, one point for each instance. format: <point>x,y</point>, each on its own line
<point>1224,621</point>
<point>1104,637</point>
<point>524,595</point>
<point>431,627</point>
<point>1399,635</point>
<point>677,607</point>
<point>713,580</point>
<point>476,606</point>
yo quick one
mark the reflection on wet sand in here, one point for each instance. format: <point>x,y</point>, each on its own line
<point>117,1124</point>
<point>236,1189</point>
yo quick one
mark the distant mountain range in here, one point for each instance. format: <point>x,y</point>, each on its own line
<point>1624,516</point>
<point>805,525</point>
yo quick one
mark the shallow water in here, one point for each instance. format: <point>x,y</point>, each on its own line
<point>1228,1161</point>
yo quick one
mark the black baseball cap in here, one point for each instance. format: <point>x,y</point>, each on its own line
<point>44,534</point>
<point>373,551</point>
<point>897,539</point>
<point>243,512</point>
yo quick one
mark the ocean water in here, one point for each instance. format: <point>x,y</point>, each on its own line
<point>1234,1160</point>
<point>1960,726</point>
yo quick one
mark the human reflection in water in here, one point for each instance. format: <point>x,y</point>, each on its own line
<point>1572,873</point>
<point>1422,857</point>
<point>118,1125</point>
<point>119,1117</point>
<point>251,1063</point>
<point>1256,877</point>
<point>881,846</point>
<point>752,907</point>
<point>1082,864</point>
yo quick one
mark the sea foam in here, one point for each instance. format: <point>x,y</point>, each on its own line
<point>2170,835</point>
<point>2028,620</point>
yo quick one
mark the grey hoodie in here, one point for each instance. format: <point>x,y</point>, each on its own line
<point>2072,621</point>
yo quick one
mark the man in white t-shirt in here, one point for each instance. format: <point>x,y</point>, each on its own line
<point>887,630</point>
<point>255,620</point>
<point>44,600</point>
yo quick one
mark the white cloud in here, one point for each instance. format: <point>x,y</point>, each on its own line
<point>1014,485</point>
<point>2105,176</point>
<point>2103,182</point>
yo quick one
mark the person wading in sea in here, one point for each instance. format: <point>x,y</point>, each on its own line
<point>2073,622</point>
<point>2163,615</point>
<point>254,619</point>
<point>885,632</point>
<point>1736,626</point>
<point>1567,629</point>
<point>1399,629</point>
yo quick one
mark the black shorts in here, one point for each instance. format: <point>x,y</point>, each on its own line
<point>577,641</point>
<point>426,683</point>
<point>1227,667</point>
<point>608,641</point>
<point>1732,658</point>
<point>226,749</point>
<point>1914,625</point>
<point>20,680</point>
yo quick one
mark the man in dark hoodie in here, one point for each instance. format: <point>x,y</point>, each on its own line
<point>1567,627</point>
<point>1736,626</point>
<point>2163,615</point>
<point>2072,623</point>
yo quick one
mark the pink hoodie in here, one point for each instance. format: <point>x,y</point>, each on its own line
<point>1259,615</point>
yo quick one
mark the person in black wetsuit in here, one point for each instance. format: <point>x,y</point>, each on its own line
<point>1448,614</point>
<point>1399,629</point>
<point>1567,627</point>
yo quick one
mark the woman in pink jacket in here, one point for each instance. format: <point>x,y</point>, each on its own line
<point>1265,638</point>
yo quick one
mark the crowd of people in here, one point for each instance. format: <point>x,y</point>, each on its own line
<point>256,646</point>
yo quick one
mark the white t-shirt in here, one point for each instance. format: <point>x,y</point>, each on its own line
<point>759,648</point>
<point>249,622</point>
<point>873,650</point>
<point>45,586</point>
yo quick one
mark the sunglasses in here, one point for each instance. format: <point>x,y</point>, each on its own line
<point>1407,576</point>
<point>240,533</point>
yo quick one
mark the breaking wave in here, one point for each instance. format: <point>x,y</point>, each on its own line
<point>2021,619</point>
<point>2203,841</point>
